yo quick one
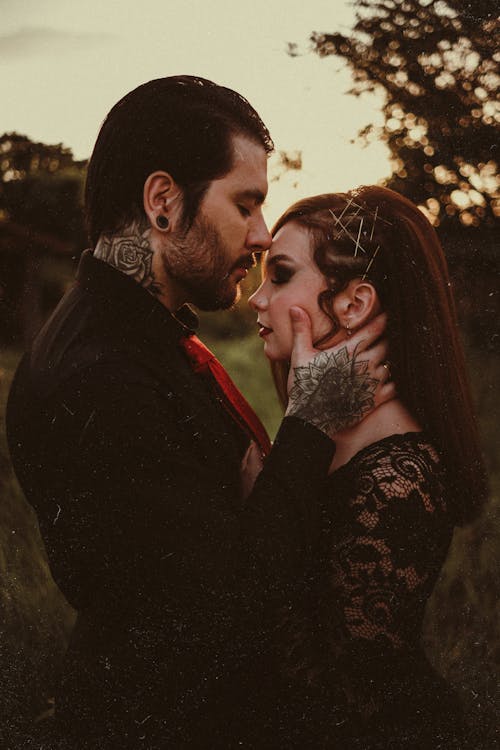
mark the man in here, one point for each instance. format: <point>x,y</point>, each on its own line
<point>132,458</point>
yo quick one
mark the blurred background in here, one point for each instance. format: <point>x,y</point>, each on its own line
<point>400,92</point>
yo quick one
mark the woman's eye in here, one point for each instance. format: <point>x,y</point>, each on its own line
<point>281,276</point>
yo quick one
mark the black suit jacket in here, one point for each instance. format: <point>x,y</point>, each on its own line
<point>132,466</point>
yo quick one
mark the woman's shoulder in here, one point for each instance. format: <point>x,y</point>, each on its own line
<point>398,467</point>
<point>410,451</point>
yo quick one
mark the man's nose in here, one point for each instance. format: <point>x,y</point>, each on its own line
<point>259,238</point>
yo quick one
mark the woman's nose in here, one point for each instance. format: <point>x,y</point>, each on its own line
<point>257,300</point>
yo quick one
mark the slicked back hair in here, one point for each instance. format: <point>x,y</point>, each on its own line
<point>182,125</point>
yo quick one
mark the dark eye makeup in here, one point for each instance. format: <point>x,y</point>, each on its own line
<point>280,274</point>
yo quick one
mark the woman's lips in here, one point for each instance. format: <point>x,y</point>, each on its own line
<point>263,331</point>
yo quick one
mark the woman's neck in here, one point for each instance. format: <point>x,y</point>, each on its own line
<point>390,418</point>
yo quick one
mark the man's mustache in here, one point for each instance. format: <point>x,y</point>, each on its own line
<point>244,261</point>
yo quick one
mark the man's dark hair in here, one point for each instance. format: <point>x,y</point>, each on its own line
<point>181,124</point>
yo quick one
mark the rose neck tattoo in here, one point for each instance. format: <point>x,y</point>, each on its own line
<point>332,392</point>
<point>131,253</point>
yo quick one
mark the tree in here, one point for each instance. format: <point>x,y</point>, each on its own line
<point>437,64</point>
<point>41,226</point>
<point>41,187</point>
<point>41,229</point>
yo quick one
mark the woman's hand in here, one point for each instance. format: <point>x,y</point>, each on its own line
<point>251,466</point>
<point>336,388</point>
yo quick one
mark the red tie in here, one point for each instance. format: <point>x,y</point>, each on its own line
<point>205,362</point>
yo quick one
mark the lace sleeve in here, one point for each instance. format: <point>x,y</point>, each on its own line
<point>384,537</point>
<point>386,551</point>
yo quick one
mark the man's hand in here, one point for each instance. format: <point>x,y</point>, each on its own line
<point>251,466</point>
<point>335,388</point>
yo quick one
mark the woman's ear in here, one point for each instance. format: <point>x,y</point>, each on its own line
<point>356,305</point>
<point>163,199</point>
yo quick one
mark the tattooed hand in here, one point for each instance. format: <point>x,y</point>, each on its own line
<point>130,251</point>
<point>334,389</point>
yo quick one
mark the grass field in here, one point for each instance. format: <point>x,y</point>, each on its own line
<point>462,627</point>
<point>35,619</point>
<point>462,631</point>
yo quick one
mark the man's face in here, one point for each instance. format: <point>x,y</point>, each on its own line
<point>208,263</point>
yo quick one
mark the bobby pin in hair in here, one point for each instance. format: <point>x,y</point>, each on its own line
<point>344,229</point>
<point>374,222</point>
<point>369,211</point>
<point>370,263</point>
<point>356,240</point>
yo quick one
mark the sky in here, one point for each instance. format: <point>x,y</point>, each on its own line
<point>63,64</point>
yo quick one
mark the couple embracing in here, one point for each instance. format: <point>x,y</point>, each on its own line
<point>230,593</point>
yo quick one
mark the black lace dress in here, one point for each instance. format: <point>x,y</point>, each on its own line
<point>355,674</point>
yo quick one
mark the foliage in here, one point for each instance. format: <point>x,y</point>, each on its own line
<point>245,361</point>
<point>436,62</point>
<point>461,632</point>
<point>22,157</point>
<point>41,188</point>
<point>462,628</point>
<point>232,336</point>
<point>284,162</point>
<point>36,620</point>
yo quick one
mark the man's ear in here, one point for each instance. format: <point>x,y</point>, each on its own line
<point>356,305</point>
<point>163,200</point>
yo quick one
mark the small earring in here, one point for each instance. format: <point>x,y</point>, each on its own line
<point>162,222</point>
<point>347,329</point>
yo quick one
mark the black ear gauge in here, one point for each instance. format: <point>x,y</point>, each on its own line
<point>162,222</point>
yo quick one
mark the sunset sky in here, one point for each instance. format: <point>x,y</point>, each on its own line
<point>64,64</point>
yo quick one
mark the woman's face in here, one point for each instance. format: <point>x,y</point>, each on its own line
<point>291,278</point>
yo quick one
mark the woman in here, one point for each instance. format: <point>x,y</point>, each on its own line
<point>354,673</point>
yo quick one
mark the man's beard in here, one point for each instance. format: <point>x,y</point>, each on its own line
<point>198,262</point>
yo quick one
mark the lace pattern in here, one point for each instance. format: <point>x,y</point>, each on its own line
<point>385,555</point>
<point>354,628</point>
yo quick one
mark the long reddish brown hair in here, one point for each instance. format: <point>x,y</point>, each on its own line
<point>378,234</point>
